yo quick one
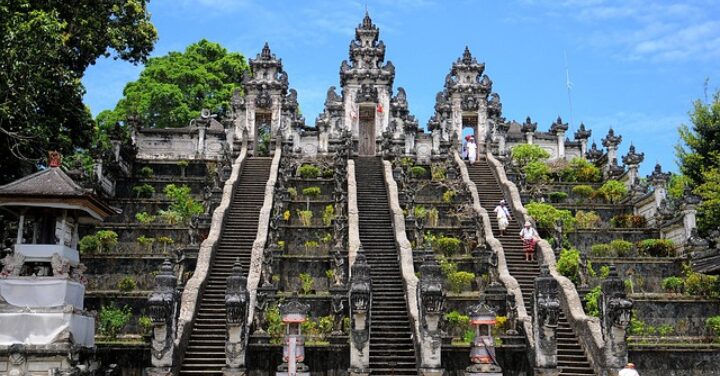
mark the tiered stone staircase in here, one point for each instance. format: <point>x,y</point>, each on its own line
<point>571,357</point>
<point>392,351</point>
<point>205,354</point>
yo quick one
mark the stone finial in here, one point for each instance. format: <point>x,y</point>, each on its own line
<point>657,177</point>
<point>582,133</point>
<point>265,54</point>
<point>611,140</point>
<point>467,57</point>
<point>528,126</point>
<point>367,23</point>
<point>594,154</point>
<point>494,105</point>
<point>558,126</point>
<point>632,157</point>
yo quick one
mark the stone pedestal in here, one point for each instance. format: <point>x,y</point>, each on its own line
<point>547,372</point>
<point>483,370</point>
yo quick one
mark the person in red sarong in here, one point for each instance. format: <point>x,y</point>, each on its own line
<point>529,237</point>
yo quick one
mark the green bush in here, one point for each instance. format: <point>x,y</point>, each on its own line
<point>183,163</point>
<point>612,191</point>
<point>582,170</point>
<point>433,216</point>
<point>420,212</point>
<point>165,241</point>
<point>592,307</point>
<point>447,245</point>
<point>308,171</point>
<point>588,219</point>
<point>601,250</point>
<point>418,172</point>
<point>546,215</point>
<point>665,330</point>
<point>460,281</point>
<point>702,285</point>
<point>713,323</point>
<point>292,192</point>
<point>182,202</point>
<point>127,284</point>
<point>622,248</point>
<point>275,326</point>
<point>673,284</point>
<point>526,153</point>
<point>583,191</point>
<point>628,221</point>
<point>567,264</point>
<point>457,323</point>
<point>604,272</point>
<point>449,196</point>
<point>656,247</point>
<point>305,217</point>
<point>437,172</point>
<point>89,244</point>
<point>536,172</point>
<point>307,283</point>
<point>328,215</point>
<point>170,217</point>
<point>145,242</point>
<point>146,172</point>
<point>557,196</point>
<point>311,191</point>
<point>108,239</point>
<point>111,320</point>
<point>144,191</point>
<point>145,218</point>
<point>145,323</point>
<point>447,267</point>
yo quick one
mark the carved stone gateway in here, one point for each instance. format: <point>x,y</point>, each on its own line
<point>547,310</point>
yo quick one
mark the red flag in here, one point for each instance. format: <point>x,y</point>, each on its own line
<point>379,108</point>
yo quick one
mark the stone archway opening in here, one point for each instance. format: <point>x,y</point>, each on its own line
<point>263,133</point>
<point>469,128</point>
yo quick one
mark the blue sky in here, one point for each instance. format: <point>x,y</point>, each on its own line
<point>634,65</point>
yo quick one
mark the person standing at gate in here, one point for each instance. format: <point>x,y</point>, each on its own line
<point>471,148</point>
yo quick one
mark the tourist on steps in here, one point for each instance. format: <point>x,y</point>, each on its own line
<point>529,237</point>
<point>471,148</point>
<point>629,370</point>
<point>503,216</point>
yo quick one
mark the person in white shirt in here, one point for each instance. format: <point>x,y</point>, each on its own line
<point>471,148</point>
<point>503,216</point>
<point>629,370</point>
<point>529,237</point>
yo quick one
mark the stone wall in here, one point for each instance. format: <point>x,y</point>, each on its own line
<point>686,314</point>
<point>659,361</point>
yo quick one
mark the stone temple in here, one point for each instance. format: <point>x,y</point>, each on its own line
<point>255,244</point>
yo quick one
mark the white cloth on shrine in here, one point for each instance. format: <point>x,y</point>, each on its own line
<point>43,328</point>
<point>42,292</point>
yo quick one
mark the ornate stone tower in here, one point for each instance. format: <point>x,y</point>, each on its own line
<point>268,107</point>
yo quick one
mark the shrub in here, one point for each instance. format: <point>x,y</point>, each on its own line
<point>286,215</point>
<point>437,172</point>
<point>327,238</point>
<point>107,238</point>
<point>183,163</point>
<point>612,191</point>
<point>583,191</point>
<point>145,323</point>
<point>111,320</point>
<point>275,326</point>
<point>592,307</point>
<point>447,245</point>
<point>145,218</point>
<point>146,242</point>
<point>89,244</point>
<point>165,241</point>
<point>146,172</point>
<point>601,250</point>
<point>673,284</point>
<point>580,169</point>
<point>305,217</point>
<point>567,264</point>
<point>447,267</point>
<point>418,172</point>
<point>127,284</point>
<point>325,325</point>
<point>311,191</point>
<point>292,192</point>
<point>460,281</point>
<point>665,330</point>
<point>407,161</point>
<point>311,244</point>
<point>557,196</point>
<point>701,285</point>
<point>546,215</point>
<point>327,172</point>
<point>713,323</point>
<point>604,272</point>
<point>526,153</point>
<point>457,323</point>
<point>170,217</point>
<point>536,172</point>
<point>588,219</point>
<point>433,217</point>
<point>656,247</point>
<point>307,283</point>
<point>281,244</point>
<point>330,274</point>
<point>622,248</point>
<point>420,212</point>
<point>182,202</point>
<point>328,215</point>
<point>449,196</point>
<point>308,171</point>
<point>628,221</point>
<point>144,190</point>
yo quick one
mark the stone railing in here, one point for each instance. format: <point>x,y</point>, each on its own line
<point>256,258</point>
<point>206,254</point>
<point>586,328</point>
<point>407,267</point>
<point>508,280</point>
<point>353,219</point>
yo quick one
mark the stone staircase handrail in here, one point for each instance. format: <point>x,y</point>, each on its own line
<point>406,254</point>
<point>507,279</point>
<point>353,216</point>
<point>191,291</point>
<point>588,328</point>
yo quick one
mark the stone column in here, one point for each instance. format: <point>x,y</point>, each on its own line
<point>528,128</point>
<point>482,127</point>
<point>561,145</point>
<point>632,160</point>
<point>430,300</point>
<point>689,211</point>
<point>161,307</point>
<point>583,135</point>
<point>558,128</point>
<point>659,180</point>
<point>360,296</point>
<point>611,142</point>
<point>236,301</point>
<point>615,312</point>
<point>501,129</point>
<point>546,313</point>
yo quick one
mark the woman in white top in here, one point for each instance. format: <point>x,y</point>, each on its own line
<point>471,148</point>
<point>503,216</point>
<point>529,237</point>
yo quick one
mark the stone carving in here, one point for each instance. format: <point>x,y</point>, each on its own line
<point>17,360</point>
<point>582,133</point>
<point>430,298</point>
<point>236,301</point>
<point>267,267</point>
<point>338,267</point>
<point>511,314</point>
<point>262,302</point>
<point>77,274</point>
<point>161,307</point>
<point>583,270</point>
<point>60,266</point>
<point>528,126</point>
<point>594,154</point>
<point>615,311</point>
<point>547,310</point>
<point>367,94</point>
<point>263,100</point>
<point>207,200</point>
<point>469,103</point>
<point>193,230</point>
<point>360,296</point>
<point>12,264</point>
<point>493,268</point>
<point>338,310</point>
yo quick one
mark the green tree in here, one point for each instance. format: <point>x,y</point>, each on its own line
<point>699,159</point>
<point>45,47</point>
<point>526,153</point>
<point>172,89</point>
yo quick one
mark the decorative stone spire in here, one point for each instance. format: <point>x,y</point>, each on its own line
<point>658,180</point>
<point>558,126</point>
<point>528,126</point>
<point>594,154</point>
<point>367,54</point>
<point>632,157</point>
<point>582,133</point>
<point>611,140</point>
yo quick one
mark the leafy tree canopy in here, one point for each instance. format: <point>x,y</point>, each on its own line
<point>699,159</point>
<point>172,89</point>
<point>45,47</point>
